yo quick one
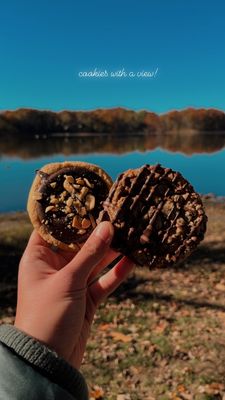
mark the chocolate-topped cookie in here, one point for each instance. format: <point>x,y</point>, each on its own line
<point>158,218</point>
<point>65,200</point>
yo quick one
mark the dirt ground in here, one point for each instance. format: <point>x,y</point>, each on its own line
<point>161,335</point>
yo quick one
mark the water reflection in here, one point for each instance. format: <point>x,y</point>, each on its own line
<point>42,145</point>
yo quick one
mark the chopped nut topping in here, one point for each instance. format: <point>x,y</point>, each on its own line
<point>69,202</point>
<point>188,215</point>
<point>67,185</point>
<point>185,196</point>
<point>180,221</point>
<point>49,208</point>
<point>179,230</point>
<point>81,231</point>
<point>74,246</point>
<point>83,193</point>
<point>85,223</point>
<point>167,207</point>
<point>90,185</point>
<point>54,200</point>
<point>62,195</point>
<point>80,181</point>
<point>76,223</point>
<point>69,178</point>
<point>82,211</point>
<point>90,202</point>
<point>53,185</point>
<point>93,223</point>
<point>78,205</point>
<point>176,198</point>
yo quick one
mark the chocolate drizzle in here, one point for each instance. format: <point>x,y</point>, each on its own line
<point>157,215</point>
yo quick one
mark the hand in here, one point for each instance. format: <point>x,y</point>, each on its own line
<point>58,293</point>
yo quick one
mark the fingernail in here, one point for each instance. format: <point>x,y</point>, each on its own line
<point>105,231</point>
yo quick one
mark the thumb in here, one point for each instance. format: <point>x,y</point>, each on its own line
<point>92,252</point>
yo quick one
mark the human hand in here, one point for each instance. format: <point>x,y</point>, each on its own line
<point>58,293</point>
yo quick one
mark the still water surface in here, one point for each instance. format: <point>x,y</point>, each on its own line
<point>203,164</point>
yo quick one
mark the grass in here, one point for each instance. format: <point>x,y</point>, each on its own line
<point>161,334</point>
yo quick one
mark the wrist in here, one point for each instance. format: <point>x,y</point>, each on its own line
<point>44,359</point>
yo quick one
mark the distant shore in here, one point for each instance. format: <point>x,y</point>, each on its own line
<point>33,122</point>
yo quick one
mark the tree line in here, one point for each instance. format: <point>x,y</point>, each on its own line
<point>116,120</point>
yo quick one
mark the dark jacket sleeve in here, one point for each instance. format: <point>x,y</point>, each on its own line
<point>30,370</point>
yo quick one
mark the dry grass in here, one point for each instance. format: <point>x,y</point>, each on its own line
<point>161,335</point>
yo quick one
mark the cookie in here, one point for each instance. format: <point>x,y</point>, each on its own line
<point>65,200</point>
<point>158,218</point>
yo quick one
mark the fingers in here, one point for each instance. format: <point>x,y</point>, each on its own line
<point>107,283</point>
<point>92,252</point>
<point>110,257</point>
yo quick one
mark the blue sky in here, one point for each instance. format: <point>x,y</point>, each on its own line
<point>44,45</point>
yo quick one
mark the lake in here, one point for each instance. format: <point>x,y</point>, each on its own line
<point>199,157</point>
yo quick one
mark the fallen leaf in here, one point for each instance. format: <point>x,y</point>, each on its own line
<point>96,393</point>
<point>215,388</point>
<point>174,397</point>
<point>160,328</point>
<point>120,337</point>
<point>220,287</point>
<point>202,389</point>
<point>104,327</point>
<point>123,397</point>
<point>181,389</point>
<point>186,396</point>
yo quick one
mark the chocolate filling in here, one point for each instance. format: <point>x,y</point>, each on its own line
<point>70,202</point>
